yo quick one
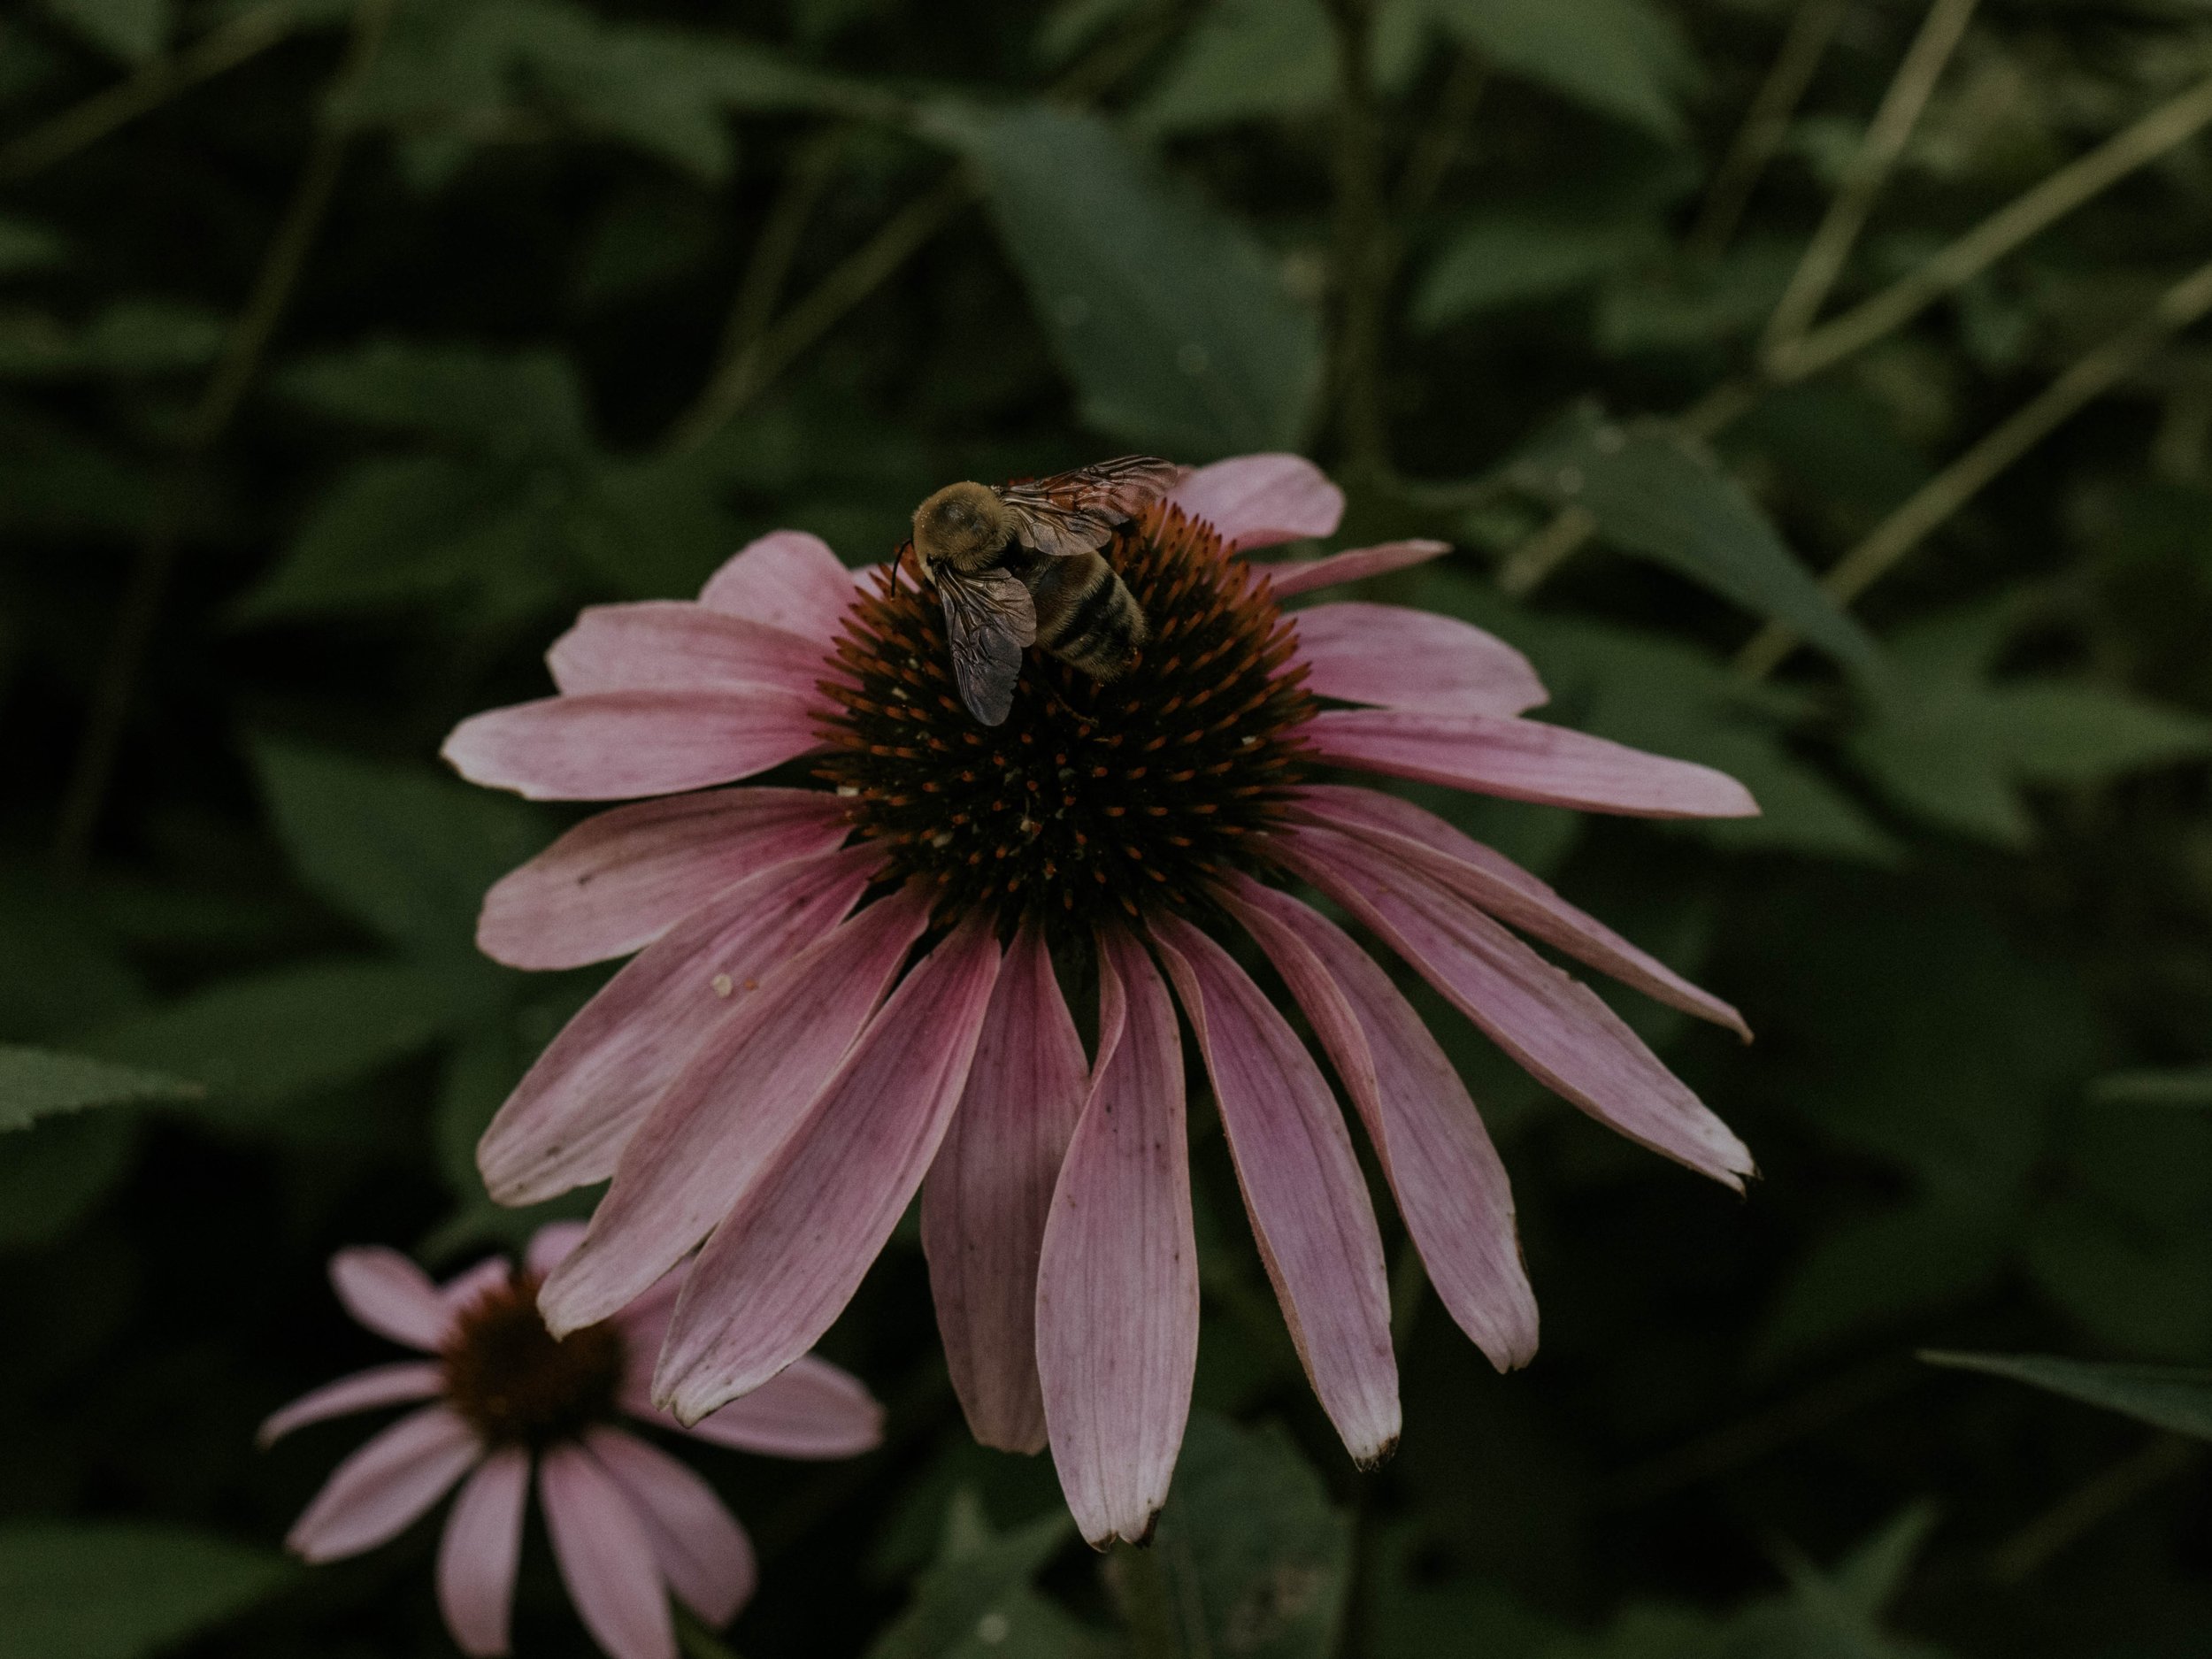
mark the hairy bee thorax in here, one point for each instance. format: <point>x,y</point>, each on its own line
<point>961,524</point>
<point>1096,796</point>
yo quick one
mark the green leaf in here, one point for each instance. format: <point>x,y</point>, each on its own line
<point>1174,324</point>
<point>1620,57</point>
<point>1696,305</point>
<point>1950,746</point>
<point>979,1576</point>
<point>37,1083</point>
<point>401,532</point>
<point>1242,59</point>
<point>130,337</point>
<point>1658,494</point>
<point>271,1037</point>
<point>2167,1397</point>
<point>1253,1552</point>
<point>1864,1274</point>
<point>133,30</point>
<point>2186,1086</point>
<point>52,1173</point>
<point>403,850</point>
<point>118,1589</point>
<point>25,246</point>
<point>461,71</point>
<point>1499,261</point>
<point>514,405</point>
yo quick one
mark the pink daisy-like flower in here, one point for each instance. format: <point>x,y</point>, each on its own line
<point>780,1068</point>
<point>629,1524</point>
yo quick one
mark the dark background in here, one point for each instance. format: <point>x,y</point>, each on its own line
<point>333,380</point>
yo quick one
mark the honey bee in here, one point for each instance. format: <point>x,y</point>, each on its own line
<point>1020,565</point>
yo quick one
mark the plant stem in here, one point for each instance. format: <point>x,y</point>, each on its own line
<point>93,767</point>
<point>2030,211</point>
<point>246,35</point>
<point>2095,372</point>
<point>1823,259</point>
<point>1148,1604</point>
<point>757,363</point>
<point>1765,125</point>
<point>2090,1505</point>
<point>1356,374</point>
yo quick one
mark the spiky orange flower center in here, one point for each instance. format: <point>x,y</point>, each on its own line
<point>1093,798</point>
<point>516,1383</point>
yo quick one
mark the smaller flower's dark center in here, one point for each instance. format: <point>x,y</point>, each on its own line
<point>516,1384</point>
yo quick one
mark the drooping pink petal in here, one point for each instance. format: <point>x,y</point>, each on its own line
<point>674,645</point>
<point>466,1289</point>
<point>1402,659</point>
<point>605,1556</point>
<point>1498,885</point>
<point>1302,1189</point>
<point>390,1296</point>
<point>788,579</point>
<point>375,1494</point>
<point>1525,760</point>
<point>618,881</point>
<point>777,1273</point>
<point>481,1548</point>
<point>576,1107</point>
<point>1450,1186</point>
<point>363,1391</point>
<point>1557,1030</point>
<point>1300,576</point>
<point>1117,1276</point>
<point>811,1409</point>
<point>1260,500</point>
<point>704,1552</point>
<point>985,1202</point>
<point>725,1115</point>
<point>550,1245</point>
<point>611,745</point>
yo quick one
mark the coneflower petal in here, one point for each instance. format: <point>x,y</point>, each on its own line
<point>616,744</point>
<point>390,1296</point>
<point>605,1556</point>
<point>1302,1189</point>
<point>1491,880</point>
<point>619,880</point>
<point>1412,659</point>
<point>1300,576</point>
<point>1117,1277</point>
<point>777,1273</point>
<point>721,1119</point>
<point>1558,1030</point>
<point>1449,1185</point>
<point>480,1549</point>
<point>985,1199</point>
<point>698,1543</point>
<point>788,579</point>
<point>1260,500</point>
<point>379,1491</point>
<point>674,645</point>
<point>1525,760</point>
<point>363,1391</point>
<point>576,1107</point>
<point>809,1410</point>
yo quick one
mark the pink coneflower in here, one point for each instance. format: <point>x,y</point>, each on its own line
<point>629,1523</point>
<point>780,1068</point>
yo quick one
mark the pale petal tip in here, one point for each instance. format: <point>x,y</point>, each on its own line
<point>1367,1458</point>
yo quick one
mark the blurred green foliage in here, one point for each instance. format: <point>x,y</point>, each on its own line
<point>347,346</point>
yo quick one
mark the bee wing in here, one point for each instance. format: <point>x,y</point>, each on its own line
<point>990,619</point>
<point>1078,512</point>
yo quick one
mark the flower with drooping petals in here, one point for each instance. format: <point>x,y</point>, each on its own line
<point>845,991</point>
<point>629,1524</point>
